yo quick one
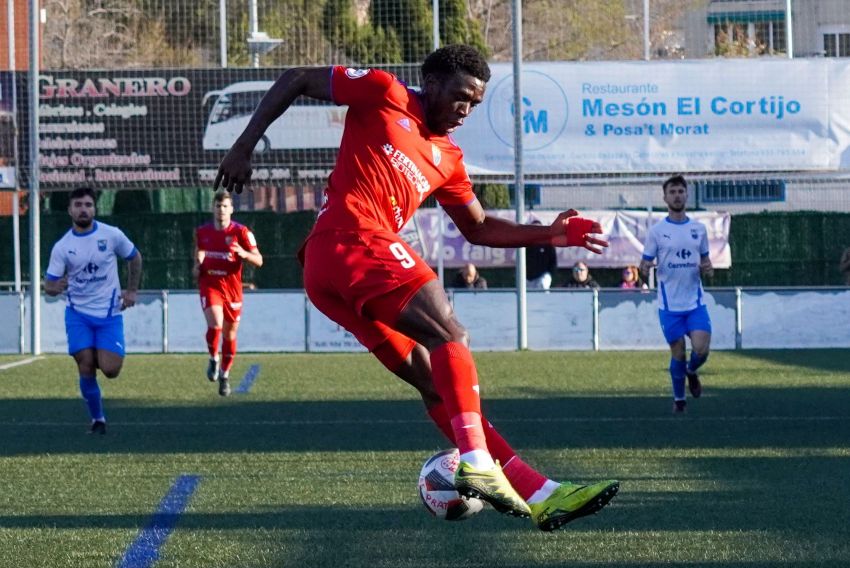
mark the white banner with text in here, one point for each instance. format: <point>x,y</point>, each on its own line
<point>689,116</point>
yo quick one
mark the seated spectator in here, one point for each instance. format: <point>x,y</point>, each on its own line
<point>468,277</point>
<point>541,265</point>
<point>581,277</point>
<point>632,279</point>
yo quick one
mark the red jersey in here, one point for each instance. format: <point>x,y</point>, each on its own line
<point>388,160</point>
<point>221,268</point>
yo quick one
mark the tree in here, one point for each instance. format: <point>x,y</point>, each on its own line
<point>457,25</point>
<point>410,21</point>
<point>362,43</point>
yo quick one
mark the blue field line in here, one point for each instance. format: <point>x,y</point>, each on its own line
<point>248,380</point>
<point>145,549</point>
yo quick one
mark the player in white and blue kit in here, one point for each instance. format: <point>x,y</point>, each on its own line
<point>680,246</point>
<point>84,262</point>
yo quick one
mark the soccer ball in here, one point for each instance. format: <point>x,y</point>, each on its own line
<point>437,488</point>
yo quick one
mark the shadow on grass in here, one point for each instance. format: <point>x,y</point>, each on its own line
<point>836,360</point>
<point>733,418</point>
<point>302,536</point>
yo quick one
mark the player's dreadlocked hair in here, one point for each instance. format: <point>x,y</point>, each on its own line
<point>456,58</point>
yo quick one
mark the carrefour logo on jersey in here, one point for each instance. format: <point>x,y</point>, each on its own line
<point>544,110</point>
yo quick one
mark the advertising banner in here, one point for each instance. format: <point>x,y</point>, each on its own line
<point>716,115</point>
<point>625,232</point>
<point>7,130</point>
<point>171,127</point>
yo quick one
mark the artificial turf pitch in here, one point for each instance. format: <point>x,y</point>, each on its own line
<point>316,464</point>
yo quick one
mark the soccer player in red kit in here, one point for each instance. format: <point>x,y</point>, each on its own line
<point>396,150</point>
<point>220,248</point>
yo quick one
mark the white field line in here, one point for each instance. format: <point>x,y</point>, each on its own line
<point>19,363</point>
<point>628,419</point>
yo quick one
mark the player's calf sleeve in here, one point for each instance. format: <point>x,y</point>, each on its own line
<point>455,378</point>
<point>496,444</point>
<point>677,376</point>
<point>456,381</point>
<point>91,393</point>
<point>228,352</point>
<point>213,338</point>
<point>696,361</point>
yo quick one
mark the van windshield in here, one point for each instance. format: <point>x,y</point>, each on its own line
<point>234,105</point>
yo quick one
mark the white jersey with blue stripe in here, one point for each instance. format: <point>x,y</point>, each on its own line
<point>90,261</point>
<point>679,247</point>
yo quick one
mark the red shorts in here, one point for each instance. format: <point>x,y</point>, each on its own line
<point>362,280</point>
<point>213,297</point>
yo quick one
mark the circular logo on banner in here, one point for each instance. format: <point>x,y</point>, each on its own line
<point>544,110</point>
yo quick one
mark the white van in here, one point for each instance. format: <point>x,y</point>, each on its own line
<point>308,123</point>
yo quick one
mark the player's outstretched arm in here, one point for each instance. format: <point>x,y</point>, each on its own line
<point>568,230</point>
<point>234,172</point>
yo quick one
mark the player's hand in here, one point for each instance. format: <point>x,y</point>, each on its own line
<point>705,267</point>
<point>570,230</point>
<point>237,249</point>
<point>55,287</point>
<point>128,299</point>
<point>234,172</point>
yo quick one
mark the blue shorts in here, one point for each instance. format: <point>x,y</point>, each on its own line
<point>86,332</point>
<point>676,325</point>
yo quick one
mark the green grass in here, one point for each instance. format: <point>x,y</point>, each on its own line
<point>317,465</point>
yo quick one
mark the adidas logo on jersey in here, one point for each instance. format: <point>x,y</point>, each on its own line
<point>404,123</point>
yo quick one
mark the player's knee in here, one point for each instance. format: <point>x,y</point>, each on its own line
<point>462,337</point>
<point>111,372</point>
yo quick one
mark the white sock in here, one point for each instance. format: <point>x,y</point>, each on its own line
<point>544,492</point>
<point>479,459</point>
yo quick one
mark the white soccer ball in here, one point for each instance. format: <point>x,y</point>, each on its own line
<point>437,488</point>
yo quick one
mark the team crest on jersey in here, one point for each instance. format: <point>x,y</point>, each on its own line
<point>436,154</point>
<point>694,234</point>
<point>404,123</point>
<point>352,73</point>
<point>101,245</point>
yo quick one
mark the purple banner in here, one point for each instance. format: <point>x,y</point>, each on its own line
<point>624,230</point>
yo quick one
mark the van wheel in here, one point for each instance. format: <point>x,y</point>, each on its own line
<point>262,146</point>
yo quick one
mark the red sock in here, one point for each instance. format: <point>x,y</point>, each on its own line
<point>522,476</point>
<point>213,337</point>
<point>456,381</point>
<point>228,352</point>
